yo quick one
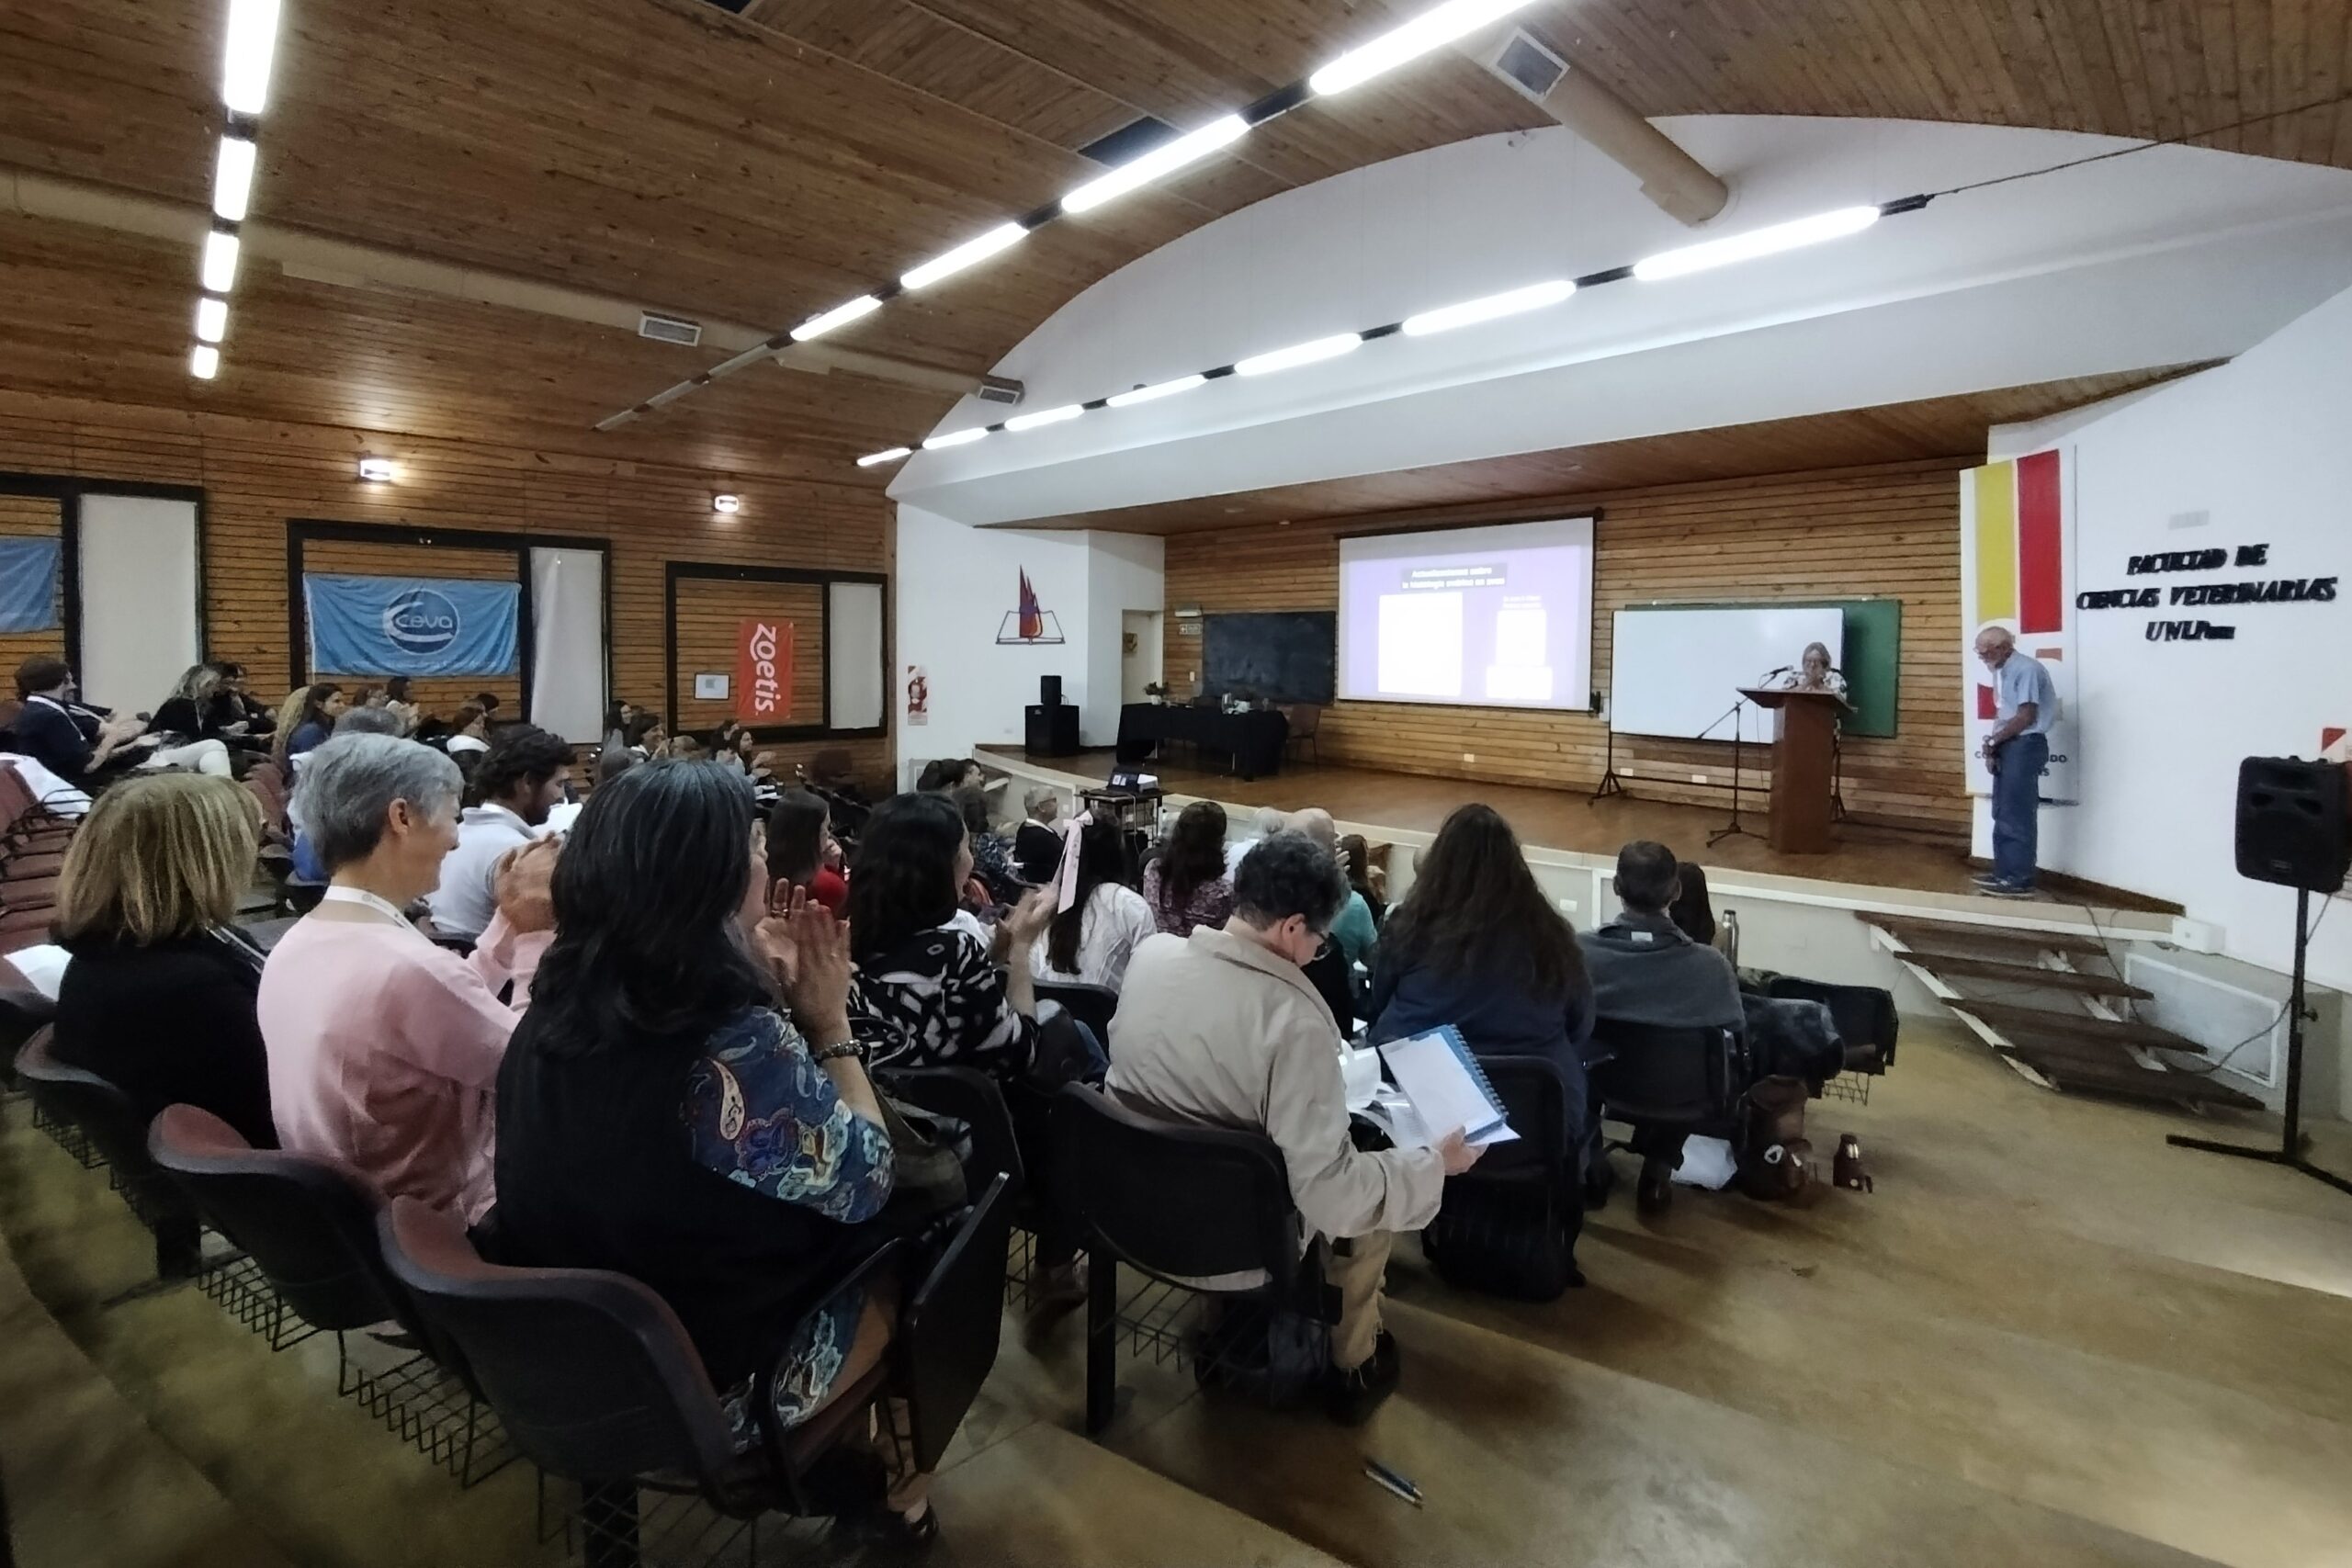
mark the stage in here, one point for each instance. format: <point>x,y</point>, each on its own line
<point>1871,867</point>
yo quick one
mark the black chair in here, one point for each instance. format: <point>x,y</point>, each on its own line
<point>973,1098</point>
<point>948,1332</point>
<point>104,1116</point>
<point>1508,1224</point>
<point>1864,1015</point>
<point>1682,1078</point>
<point>596,1382</point>
<point>1174,1203</point>
<point>22,1012</point>
<point>1091,1005</point>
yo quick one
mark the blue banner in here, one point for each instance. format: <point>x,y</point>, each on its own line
<point>28,585</point>
<point>412,626</point>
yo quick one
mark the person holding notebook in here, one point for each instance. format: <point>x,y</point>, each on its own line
<point>1220,1029</point>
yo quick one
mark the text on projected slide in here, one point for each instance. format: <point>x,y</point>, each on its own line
<point>1493,616</point>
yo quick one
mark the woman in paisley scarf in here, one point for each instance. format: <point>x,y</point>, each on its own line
<point>684,1104</point>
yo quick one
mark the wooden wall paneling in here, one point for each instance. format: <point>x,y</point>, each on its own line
<point>1890,532</point>
<point>711,614</point>
<point>21,517</point>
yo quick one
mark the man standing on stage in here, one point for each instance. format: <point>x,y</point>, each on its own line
<point>2025,706</point>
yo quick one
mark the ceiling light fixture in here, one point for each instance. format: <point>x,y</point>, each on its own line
<point>244,63</point>
<point>220,269</point>
<point>727,505</point>
<point>1534,297</point>
<point>211,319</point>
<point>377,470</point>
<point>1156,391</point>
<point>1432,29</point>
<point>1756,243</point>
<point>1045,416</point>
<point>1003,237</point>
<point>204,363</point>
<point>233,179</point>
<point>890,454</point>
<point>1312,351</point>
<point>1164,159</point>
<point>838,316</point>
<point>955,438</point>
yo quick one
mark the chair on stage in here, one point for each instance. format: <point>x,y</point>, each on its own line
<point>1305,719</point>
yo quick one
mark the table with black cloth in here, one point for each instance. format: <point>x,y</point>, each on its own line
<point>1253,740</point>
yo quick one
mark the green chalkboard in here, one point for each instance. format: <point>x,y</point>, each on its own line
<point>1873,655</point>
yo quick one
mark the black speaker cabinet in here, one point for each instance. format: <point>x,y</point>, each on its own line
<point>1050,731</point>
<point>2294,822</point>
<point>1049,691</point>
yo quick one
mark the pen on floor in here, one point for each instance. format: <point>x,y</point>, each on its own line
<point>1382,1476</point>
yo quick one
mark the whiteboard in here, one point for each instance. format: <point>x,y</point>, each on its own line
<point>1674,671</point>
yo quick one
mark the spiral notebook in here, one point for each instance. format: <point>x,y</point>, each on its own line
<point>1447,1088</point>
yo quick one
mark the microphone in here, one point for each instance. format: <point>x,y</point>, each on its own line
<point>1784,670</point>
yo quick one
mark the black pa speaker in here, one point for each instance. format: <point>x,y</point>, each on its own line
<point>2294,822</point>
<point>1049,691</point>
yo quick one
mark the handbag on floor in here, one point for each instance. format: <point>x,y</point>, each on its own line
<point>1775,1159</point>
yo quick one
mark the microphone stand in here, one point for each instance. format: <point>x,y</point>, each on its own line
<point>1733,827</point>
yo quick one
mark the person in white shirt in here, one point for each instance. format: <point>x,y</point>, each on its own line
<point>1101,920</point>
<point>1813,672</point>
<point>1267,823</point>
<point>521,779</point>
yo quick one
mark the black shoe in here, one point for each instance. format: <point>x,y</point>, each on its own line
<point>1600,1181</point>
<point>1655,1194</point>
<point>891,1537</point>
<point>1356,1392</point>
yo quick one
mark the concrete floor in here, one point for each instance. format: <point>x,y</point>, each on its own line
<point>2046,1338</point>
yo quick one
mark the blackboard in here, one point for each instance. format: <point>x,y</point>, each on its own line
<point>1288,656</point>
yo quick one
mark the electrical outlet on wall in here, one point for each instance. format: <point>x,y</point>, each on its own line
<point>1469,756</point>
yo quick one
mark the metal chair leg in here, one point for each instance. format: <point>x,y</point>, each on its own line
<point>1102,1342</point>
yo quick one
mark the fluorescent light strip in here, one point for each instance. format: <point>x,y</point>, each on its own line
<point>220,269</point>
<point>1309,353</point>
<point>1431,29</point>
<point>955,438</point>
<point>1003,237</point>
<point>244,63</point>
<point>1756,243</point>
<point>211,319</point>
<point>838,316</point>
<point>1164,159</point>
<point>876,460</point>
<point>1156,391</point>
<point>1045,416</point>
<point>1517,301</point>
<point>233,179</point>
<point>204,363</point>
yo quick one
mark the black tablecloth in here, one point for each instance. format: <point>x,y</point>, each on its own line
<point>1254,739</point>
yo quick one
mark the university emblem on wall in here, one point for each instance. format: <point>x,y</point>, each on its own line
<point>1029,623</point>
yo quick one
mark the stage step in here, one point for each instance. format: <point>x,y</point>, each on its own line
<point>2124,1078</point>
<point>2007,1016</point>
<point>1936,935</point>
<point>1945,966</point>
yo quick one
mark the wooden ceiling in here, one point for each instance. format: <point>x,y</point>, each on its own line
<point>1932,428</point>
<point>762,167</point>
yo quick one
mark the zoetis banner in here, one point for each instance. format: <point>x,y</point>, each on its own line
<point>763,672</point>
<point>2017,571</point>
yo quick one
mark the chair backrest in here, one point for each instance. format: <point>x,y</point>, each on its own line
<point>102,1111</point>
<point>22,1009</point>
<point>1091,1005</point>
<point>16,800</point>
<point>948,1333</point>
<point>1535,1100</point>
<point>309,1224</point>
<point>1303,718</point>
<point>1172,1199</point>
<point>591,1371</point>
<point>268,782</point>
<point>1864,1015</point>
<point>971,1097</point>
<point>1661,1074</point>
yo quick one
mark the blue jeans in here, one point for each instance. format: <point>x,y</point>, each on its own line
<point>2016,799</point>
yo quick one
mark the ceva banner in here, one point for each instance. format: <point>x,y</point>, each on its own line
<point>28,585</point>
<point>412,626</point>
<point>762,672</point>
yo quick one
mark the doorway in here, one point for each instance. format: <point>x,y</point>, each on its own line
<point>1138,653</point>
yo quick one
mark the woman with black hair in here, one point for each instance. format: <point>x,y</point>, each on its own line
<point>322,707</point>
<point>927,995</point>
<point>661,1117</point>
<point>1185,883</point>
<point>993,860</point>
<point>1091,940</point>
<point>801,850</point>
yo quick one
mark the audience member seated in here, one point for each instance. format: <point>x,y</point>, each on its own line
<point>398,703</point>
<point>1220,1029</point>
<point>469,730</point>
<point>1264,823</point>
<point>1354,932</point>
<point>321,705</point>
<point>1184,879</point>
<point>383,1048</point>
<point>1786,1036</point>
<point>520,779</point>
<point>801,850</point>
<point>1038,846</point>
<point>158,999</point>
<point>944,774</point>
<point>195,711</point>
<point>657,1009</point>
<point>1355,855</point>
<point>309,870</point>
<point>234,702</point>
<point>1645,970</point>
<point>77,744</point>
<point>1094,935</point>
<point>1693,912</point>
<point>993,860</point>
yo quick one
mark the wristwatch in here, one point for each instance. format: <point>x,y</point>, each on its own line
<point>835,1053</point>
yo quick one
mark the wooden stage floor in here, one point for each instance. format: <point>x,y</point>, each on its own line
<point>1566,819</point>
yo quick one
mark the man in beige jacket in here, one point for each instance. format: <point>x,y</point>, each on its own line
<point>1220,1029</point>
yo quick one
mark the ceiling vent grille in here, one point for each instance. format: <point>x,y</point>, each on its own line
<point>669,329</point>
<point>1528,66</point>
<point>1129,141</point>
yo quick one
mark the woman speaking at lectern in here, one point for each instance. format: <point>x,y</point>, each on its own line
<point>1813,672</point>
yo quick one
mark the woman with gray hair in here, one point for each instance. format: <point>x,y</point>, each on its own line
<point>383,1047</point>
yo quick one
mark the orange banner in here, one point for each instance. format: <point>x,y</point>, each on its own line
<point>763,672</point>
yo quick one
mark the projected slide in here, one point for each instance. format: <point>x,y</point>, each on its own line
<point>1496,616</point>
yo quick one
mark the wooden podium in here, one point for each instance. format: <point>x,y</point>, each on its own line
<point>1807,732</point>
